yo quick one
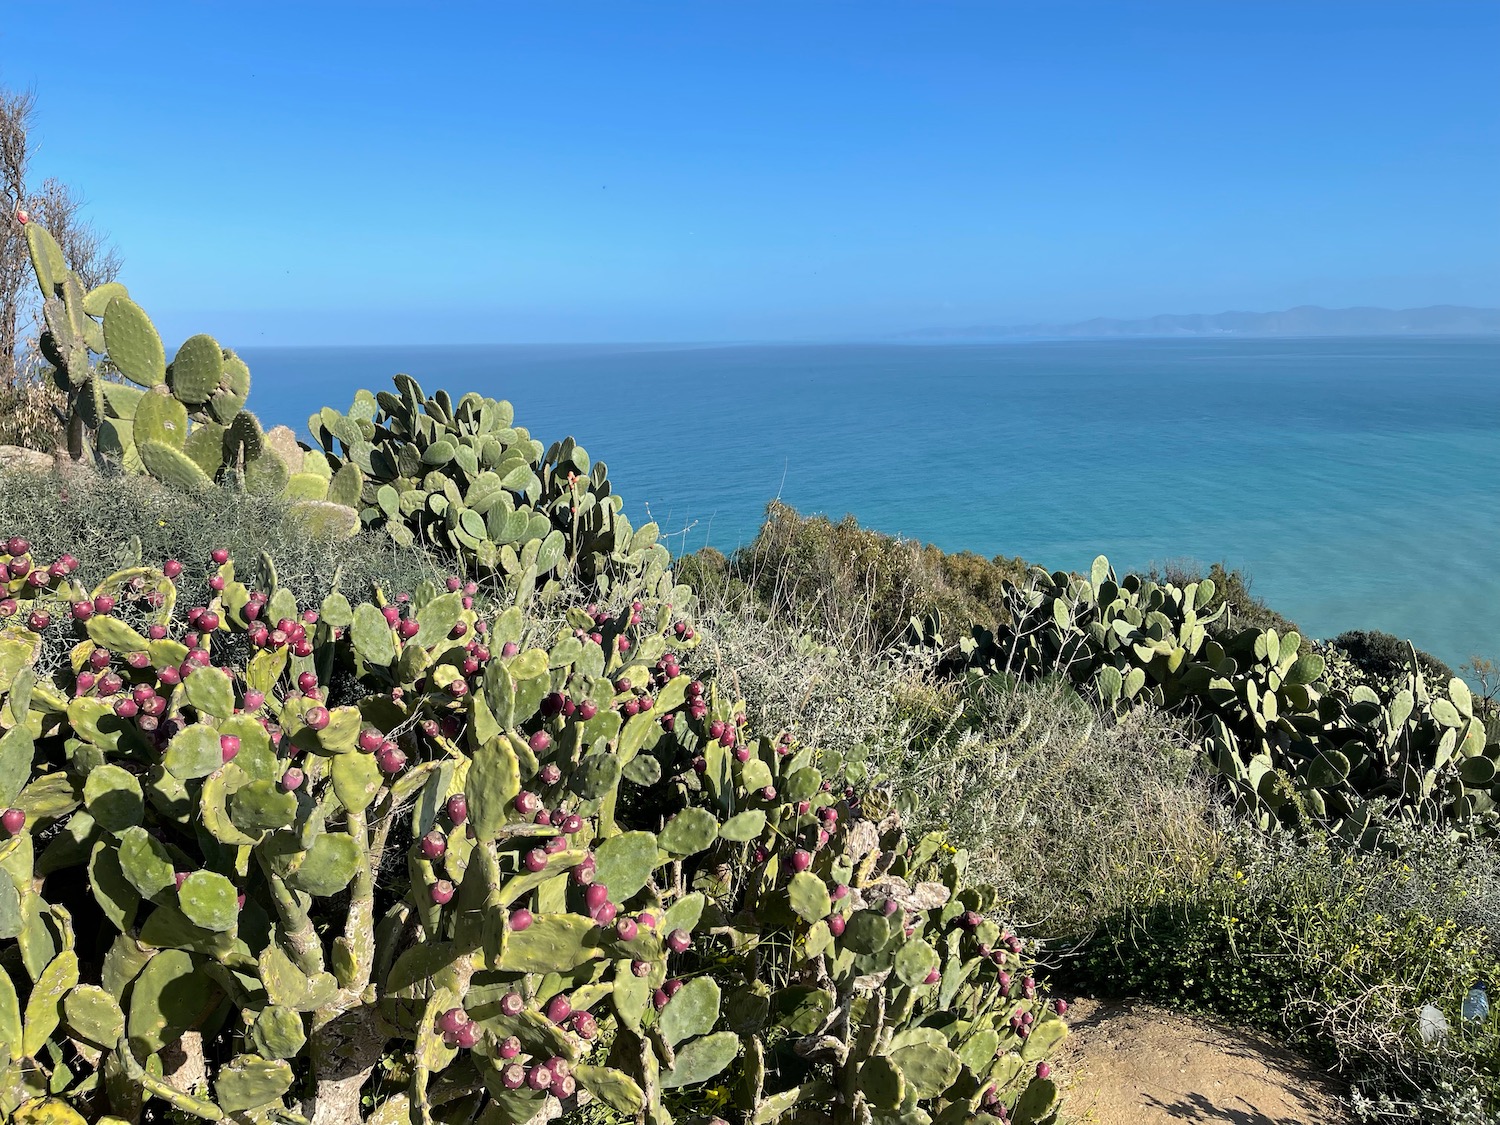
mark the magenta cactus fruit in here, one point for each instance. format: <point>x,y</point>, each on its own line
<point>539,1077</point>
<point>511,1004</point>
<point>588,709</point>
<point>571,824</point>
<point>13,820</point>
<point>467,1035</point>
<point>626,929</point>
<point>640,968</point>
<point>540,743</point>
<point>219,555</point>
<point>933,977</point>
<point>104,604</point>
<point>716,728</point>
<point>82,611</point>
<point>801,859</point>
<point>584,1025</point>
<point>434,844</point>
<point>442,892</point>
<point>254,700</point>
<point>527,803</point>
<point>229,746</point>
<point>513,1076</point>
<point>558,1009</point>
<point>369,740</point>
<point>389,759</point>
<point>520,919</point>
<point>451,1020</point>
<point>1043,1071</point>
<point>1062,1007</point>
<point>316,718</point>
<point>292,779</point>
<point>678,941</point>
<point>836,925</point>
<point>659,999</point>
<point>509,1047</point>
<point>606,913</point>
<point>596,896</point>
<point>536,860</point>
<point>458,808</point>
<point>551,774</point>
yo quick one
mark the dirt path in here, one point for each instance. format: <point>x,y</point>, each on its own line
<point>1131,1064</point>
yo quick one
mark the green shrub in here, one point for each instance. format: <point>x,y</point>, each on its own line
<point>858,587</point>
<point>1385,658</point>
<point>1336,949</point>
<point>1242,609</point>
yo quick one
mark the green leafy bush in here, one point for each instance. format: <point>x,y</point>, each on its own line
<point>854,586</point>
<point>1339,950</point>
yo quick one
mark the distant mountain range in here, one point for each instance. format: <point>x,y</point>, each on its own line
<point>1304,320</point>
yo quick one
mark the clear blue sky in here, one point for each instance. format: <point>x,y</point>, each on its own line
<point>320,173</point>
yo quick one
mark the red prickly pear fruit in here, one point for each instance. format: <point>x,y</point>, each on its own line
<point>1043,1071</point>
<point>408,629</point>
<point>391,614</point>
<point>932,977</point>
<point>84,682</point>
<point>458,689</point>
<point>536,860</point>
<point>442,892</point>
<point>13,820</point>
<point>254,700</point>
<point>527,803</point>
<point>454,583</point>
<point>511,1004</point>
<point>584,1025</point>
<point>307,682</point>
<point>458,808</point>
<point>544,818</point>
<point>659,998</point>
<point>82,611</point>
<point>316,718</point>
<point>179,877</point>
<point>467,1036</point>
<point>434,845</point>
<point>509,1047</point>
<point>768,793</point>
<point>970,920</point>
<point>140,661</point>
<point>558,1009</point>
<point>647,919</point>
<point>552,704</point>
<point>624,643</point>
<point>216,583</point>
<point>208,622</point>
<point>678,941</point>
<point>640,968</point>
<point>555,845</point>
<point>583,874</point>
<point>626,929</point>
<point>673,986</point>
<point>17,546</point>
<point>38,621</point>
<point>1062,1007</point>
<point>596,896</point>
<point>804,807</point>
<point>836,925</point>
<point>540,742</point>
<point>99,659</point>
<point>632,708</point>
<point>572,824</point>
<point>370,740</point>
<point>539,1077</point>
<point>715,728</point>
<point>606,913</point>
<point>219,555</point>
<point>668,723</point>
<point>741,755</point>
<point>390,760</point>
<point>801,860</point>
<point>513,1076</point>
<point>551,774</point>
<point>104,604</point>
<point>170,676</point>
<point>509,648</point>
<point>520,919</point>
<point>239,901</point>
<point>292,779</point>
<point>229,746</point>
<point>588,709</point>
<point>451,1020</point>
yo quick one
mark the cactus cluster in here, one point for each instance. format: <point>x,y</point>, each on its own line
<point>184,422</point>
<point>464,479</point>
<point>1293,745</point>
<point>419,859</point>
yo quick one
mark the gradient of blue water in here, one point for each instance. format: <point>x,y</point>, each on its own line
<point>1356,480</point>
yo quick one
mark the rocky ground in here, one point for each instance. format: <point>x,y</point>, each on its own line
<point>1131,1064</point>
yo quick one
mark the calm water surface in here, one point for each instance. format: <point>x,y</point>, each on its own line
<point>1357,481</point>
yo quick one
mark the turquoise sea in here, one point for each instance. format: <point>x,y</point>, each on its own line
<point>1356,480</point>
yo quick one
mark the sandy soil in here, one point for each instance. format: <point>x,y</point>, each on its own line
<point>1131,1064</point>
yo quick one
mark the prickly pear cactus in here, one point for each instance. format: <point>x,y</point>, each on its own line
<point>427,859</point>
<point>465,479</point>
<point>1294,745</point>
<point>182,421</point>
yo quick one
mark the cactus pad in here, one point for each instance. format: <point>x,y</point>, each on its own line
<point>133,344</point>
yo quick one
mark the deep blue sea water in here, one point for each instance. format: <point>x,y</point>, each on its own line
<point>1356,480</point>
